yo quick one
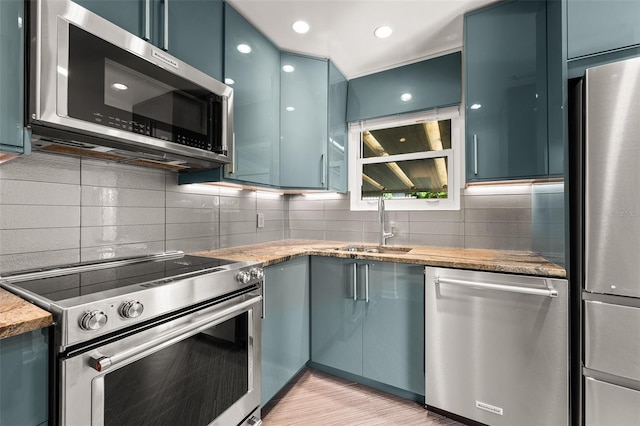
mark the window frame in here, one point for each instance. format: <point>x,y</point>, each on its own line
<point>454,157</point>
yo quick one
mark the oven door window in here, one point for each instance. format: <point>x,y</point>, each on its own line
<point>188,383</point>
<point>112,87</point>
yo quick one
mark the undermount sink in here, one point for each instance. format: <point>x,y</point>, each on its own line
<point>376,249</point>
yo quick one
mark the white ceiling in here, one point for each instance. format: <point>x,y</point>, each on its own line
<point>343,29</point>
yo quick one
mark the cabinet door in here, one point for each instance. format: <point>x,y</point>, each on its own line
<point>337,148</point>
<point>336,318</point>
<point>135,16</point>
<point>11,75</point>
<point>194,33</point>
<point>393,330</point>
<point>303,122</point>
<point>255,78</point>
<point>595,26</point>
<point>285,328</point>
<point>506,91</point>
<point>24,378</point>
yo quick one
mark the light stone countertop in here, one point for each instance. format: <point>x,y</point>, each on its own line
<point>18,316</point>
<point>514,262</point>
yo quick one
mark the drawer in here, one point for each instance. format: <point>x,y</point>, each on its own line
<point>611,339</point>
<point>610,405</point>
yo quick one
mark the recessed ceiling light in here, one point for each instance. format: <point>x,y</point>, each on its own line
<point>475,106</point>
<point>229,81</point>
<point>406,97</point>
<point>290,109</point>
<point>244,48</point>
<point>300,27</point>
<point>403,140</point>
<point>288,68</point>
<point>383,31</point>
<point>119,86</point>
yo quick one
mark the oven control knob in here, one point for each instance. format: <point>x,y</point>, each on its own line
<point>131,309</point>
<point>257,273</point>
<point>243,276</point>
<point>93,320</point>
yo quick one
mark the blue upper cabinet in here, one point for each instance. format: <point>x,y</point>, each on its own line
<point>135,16</point>
<point>506,91</point>
<point>303,121</point>
<point>255,78</point>
<point>194,32</point>
<point>432,83</point>
<point>597,26</point>
<point>12,77</point>
<point>191,30</point>
<point>338,147</point>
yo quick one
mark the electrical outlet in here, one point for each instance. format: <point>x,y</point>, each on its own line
<point>260,220</point>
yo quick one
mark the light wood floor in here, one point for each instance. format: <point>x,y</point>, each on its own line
<point>315,398</point>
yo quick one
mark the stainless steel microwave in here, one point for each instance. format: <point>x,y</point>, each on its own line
<point>96,89</point>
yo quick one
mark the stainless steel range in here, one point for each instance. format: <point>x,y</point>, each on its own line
<point>162,339</point>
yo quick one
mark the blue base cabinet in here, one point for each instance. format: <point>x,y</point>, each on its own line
<point>24,379</point>
<point>506,91</point>
<point>12,23</point>
<point>375,333</point>
<point>336,315</point>
<point>285,328</point>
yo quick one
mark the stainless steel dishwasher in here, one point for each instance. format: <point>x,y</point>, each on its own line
<point>497,347</point>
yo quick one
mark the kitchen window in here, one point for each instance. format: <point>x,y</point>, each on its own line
<point>413,161</point>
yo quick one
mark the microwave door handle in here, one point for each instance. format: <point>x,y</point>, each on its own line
<point>103,362</point>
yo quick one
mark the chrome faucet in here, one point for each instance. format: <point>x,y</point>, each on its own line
<point>383,235</point>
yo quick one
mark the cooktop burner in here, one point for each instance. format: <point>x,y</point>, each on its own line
<point>146,274</point>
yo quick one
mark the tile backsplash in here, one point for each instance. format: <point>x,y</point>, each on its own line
<point>496,217</point>
<point>59,210</point>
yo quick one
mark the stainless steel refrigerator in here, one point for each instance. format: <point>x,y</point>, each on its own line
<point>605,172</point>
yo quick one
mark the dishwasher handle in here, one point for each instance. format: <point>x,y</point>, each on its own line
<point>548,291</point>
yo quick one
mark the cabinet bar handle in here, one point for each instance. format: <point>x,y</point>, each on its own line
<point>264,297</point>
<point>147,20</point>
<point>475,154</point>
<point>166,25</point>
<point>355,282</point>
<point>322,170</point>
<point>366,282</point>
<point>548,291</point>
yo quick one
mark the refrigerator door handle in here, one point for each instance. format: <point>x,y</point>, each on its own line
<point>548,291</point>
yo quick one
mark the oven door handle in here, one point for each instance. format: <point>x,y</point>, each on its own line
<point>102,362</point>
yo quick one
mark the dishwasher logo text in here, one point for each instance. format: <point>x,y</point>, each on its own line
<point>488,407</point>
